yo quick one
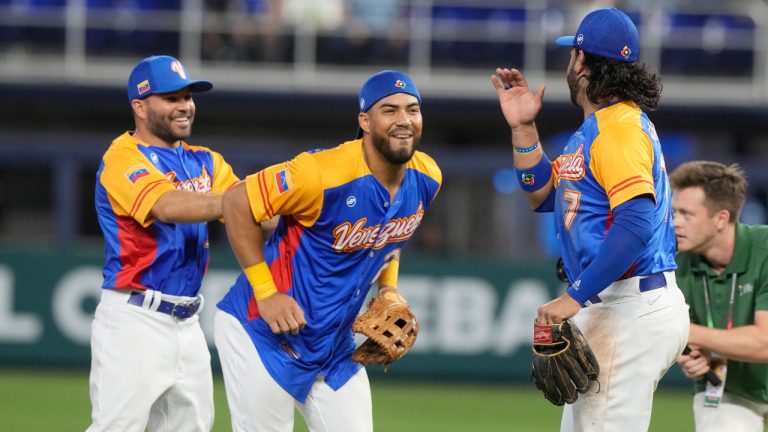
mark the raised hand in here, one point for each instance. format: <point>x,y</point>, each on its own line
<point>519,105</point>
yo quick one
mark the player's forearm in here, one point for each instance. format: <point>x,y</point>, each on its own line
<point>245,235</point>
<point>535,199</point>
<point>747,343</point>
<point>187,207</point>
<point>525,137</point>
<point>630,232</point>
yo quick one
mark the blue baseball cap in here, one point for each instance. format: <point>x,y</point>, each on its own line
<point>606,33</point>
<point>161,74</point>
<point>383,84</point>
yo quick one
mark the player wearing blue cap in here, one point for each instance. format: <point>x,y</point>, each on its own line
<point>150,364</point>
<point>612,202</point>
<point>283,331</point>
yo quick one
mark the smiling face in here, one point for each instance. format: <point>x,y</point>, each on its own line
<point>394,124</point>
<point>696,228</point>
<point>169,116</point>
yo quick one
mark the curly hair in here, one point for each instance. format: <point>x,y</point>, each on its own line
<point>724,186</point>
<point>627,81</point>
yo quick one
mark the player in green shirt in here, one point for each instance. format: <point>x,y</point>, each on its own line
<point>723,273</point>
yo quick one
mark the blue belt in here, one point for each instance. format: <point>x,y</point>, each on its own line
<point>181,310</point>
<point>653,282</point>
<point>648,283</point>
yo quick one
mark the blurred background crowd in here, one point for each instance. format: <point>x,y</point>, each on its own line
<point>287,73</point>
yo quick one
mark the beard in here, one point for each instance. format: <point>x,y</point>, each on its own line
<point>398,155</point>
<point>162,128</point>
<point>573,85</point>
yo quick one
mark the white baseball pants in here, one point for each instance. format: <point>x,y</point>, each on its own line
<point>148,369</point>
<point>258,404</point>
<point>636,336</point>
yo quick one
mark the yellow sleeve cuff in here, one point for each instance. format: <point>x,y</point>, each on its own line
<point>261,280</point>
<point>388,276</point>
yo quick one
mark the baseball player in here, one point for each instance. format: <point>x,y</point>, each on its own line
<point>283,331</point>
<point>611,198</point>
<point>154,194</point>
<point>723,274</point>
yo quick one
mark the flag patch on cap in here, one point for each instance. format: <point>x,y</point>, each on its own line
<point>136,173</point>
<point>143,87</point>
<point>282,180</point>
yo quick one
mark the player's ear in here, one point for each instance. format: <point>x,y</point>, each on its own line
<point>138,108</point>
<point>579,60</point>
<point>364,122</point>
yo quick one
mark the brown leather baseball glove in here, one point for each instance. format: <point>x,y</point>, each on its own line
<point>563,363</point>
<point>390,327</point>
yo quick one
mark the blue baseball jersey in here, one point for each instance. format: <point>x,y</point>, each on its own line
<point>613,157</point>
<point>338,234</point>
<point>140,252</point>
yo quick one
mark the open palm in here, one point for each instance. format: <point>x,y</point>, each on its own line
<point>519,105</point>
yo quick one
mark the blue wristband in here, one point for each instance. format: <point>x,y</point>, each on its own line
<point>527,149</point>
<point>536,177</point>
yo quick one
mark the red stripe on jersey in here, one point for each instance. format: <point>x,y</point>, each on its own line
<point>138,249</point>
<point>282,266</point>
<point>619,184</point>
<point>143,194</point>
<point>614,190</point>
<point>265,194</point>
<point>608,221</point>
<point>232,185</point>
<point>630,272</point>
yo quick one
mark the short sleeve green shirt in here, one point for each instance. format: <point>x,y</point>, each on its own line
<point>749,268</point>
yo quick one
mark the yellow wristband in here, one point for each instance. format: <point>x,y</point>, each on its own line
<point>388,276</point>
<point>261,280</point>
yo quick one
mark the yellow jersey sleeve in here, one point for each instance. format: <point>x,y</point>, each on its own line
<point>621,159</point>
<point>290,188</point>
<point>223,175</point>
<point>133,184</point>
<point>425,164</point>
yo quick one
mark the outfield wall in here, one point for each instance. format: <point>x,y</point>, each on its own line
<point>475,315</point>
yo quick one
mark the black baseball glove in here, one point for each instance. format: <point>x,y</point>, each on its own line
<point>563,363</point>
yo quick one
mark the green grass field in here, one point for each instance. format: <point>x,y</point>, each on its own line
<point>32,401</point>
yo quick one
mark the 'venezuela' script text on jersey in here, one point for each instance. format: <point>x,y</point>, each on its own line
<point>353,237</point>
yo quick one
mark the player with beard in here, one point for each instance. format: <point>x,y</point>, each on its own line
<point>283,331</point>
<point>150,364</point>
<point>612,202</point>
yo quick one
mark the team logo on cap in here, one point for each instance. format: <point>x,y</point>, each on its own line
<point>179,69</point>
<point>143,87</point>
<point>580,39</point>
<point>625,52</point>
<point>362,103</point>
<point>400,84</point>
